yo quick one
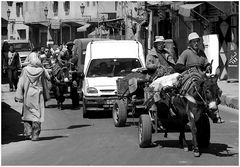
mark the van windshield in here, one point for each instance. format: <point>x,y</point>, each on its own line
<point>112,67</point>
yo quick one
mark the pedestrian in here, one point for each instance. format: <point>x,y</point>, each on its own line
<point>193,56</point>
<point>4,52</point>
<point>26,61</point>
<point>13,65</point>
<point>31,91</point>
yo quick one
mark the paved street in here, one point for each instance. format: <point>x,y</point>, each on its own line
<point>68,139</point>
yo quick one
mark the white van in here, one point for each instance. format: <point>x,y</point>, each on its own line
<point>105,62</point>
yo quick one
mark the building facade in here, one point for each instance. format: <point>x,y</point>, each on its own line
<point>61,21</point>
<point>13,18</point>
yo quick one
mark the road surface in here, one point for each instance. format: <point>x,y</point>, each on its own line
<point>68,139</point>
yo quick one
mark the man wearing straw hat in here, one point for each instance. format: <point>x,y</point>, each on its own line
<point>159,58</point>
<point>159,55</point>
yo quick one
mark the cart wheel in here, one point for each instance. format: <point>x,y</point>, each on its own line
<point>144,131</point>
<point>203,131</point>
<point>119,113</point>
<point>85,112</point>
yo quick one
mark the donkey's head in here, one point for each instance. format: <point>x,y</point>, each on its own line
<point>211,94</point>
<point>206,92</point>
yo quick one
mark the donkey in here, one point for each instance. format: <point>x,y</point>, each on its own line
<point>202,97</point>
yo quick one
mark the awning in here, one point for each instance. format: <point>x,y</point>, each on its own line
<point>73,22</point>
<point>36,24</point>
<point>83,28</point>
<point>185,10</point>
<point>224,7</point>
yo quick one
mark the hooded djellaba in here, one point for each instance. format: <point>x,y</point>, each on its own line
<point>32,92</point>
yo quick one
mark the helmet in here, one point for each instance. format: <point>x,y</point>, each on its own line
<point>192,36</point>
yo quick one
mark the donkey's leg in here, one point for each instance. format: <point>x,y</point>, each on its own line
<point>182,138</point>
<point>194,139</point>
<point>193,130</point>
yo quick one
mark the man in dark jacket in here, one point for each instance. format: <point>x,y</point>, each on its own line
<point>159,55</point>
<point>13,64</point>
<point>193,56</point>
<point>70,60</point>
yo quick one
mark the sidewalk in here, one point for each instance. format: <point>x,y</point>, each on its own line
<point>230,93</point>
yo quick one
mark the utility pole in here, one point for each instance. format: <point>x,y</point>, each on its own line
<point>97,15</point>
<point>145,32</point>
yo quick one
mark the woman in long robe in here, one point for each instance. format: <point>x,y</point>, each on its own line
<point>31,91</point>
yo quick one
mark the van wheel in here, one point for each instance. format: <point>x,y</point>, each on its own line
<point>85,112</point>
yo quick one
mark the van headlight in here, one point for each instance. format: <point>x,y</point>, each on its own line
<point>92,90</point>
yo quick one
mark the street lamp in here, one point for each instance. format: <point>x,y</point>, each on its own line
<point>8,13</point>
<point>10,21</point>
<point>48,30</point>
<point>82,8</point>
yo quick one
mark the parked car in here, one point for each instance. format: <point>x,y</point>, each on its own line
<point>23,47</point>
<point>105,62</point>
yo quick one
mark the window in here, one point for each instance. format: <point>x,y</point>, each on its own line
<point>19,9</point>
<point>67,7</point>
<point>22,34</point>
<point>55,8</point>
<point>9,3</point>
<point>94,3</point>
<point>87,3</point>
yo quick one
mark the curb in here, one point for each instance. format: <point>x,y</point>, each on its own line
<point>230,101</point>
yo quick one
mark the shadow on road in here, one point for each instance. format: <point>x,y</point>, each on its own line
<point>100,114</point>
<point>217,149</point>
<point>50,138</point>
<point>169,143</point>
<point>220,150</point>
<point>12,125</point>
<point>78,126</point>
<point>70,127</point>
